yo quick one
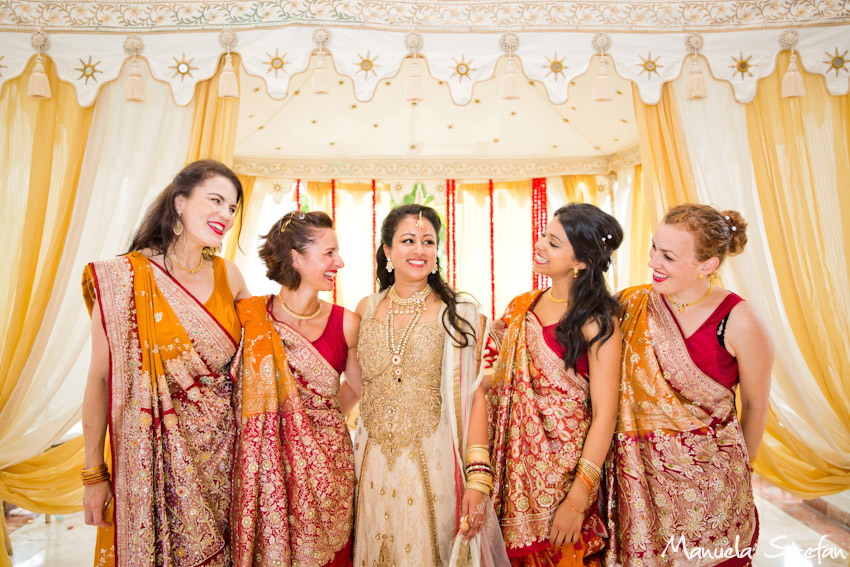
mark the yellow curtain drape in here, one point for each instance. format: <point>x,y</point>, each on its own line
<point>41,153</point>
<point>581,189</point>
<point>639,229</point>
<point>800,151</point>
<point>231,244</point>
<point>214,121</point>
<point>667,175</point>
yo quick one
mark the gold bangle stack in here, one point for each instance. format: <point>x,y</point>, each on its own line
<point>588,474</point>
<point>479,475</point>
<point>95,475</point>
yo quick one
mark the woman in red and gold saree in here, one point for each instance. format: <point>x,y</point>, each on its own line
<point>680,490</point>
<point>159,380</point>
<point>293,486</point>
<point>553,396</point>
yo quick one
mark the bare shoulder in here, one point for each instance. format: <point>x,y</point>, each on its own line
<point>746,331</point>
<point>351,327</point>
<point>238,287</point>
<point>361,308</point>
<point>591,329</point>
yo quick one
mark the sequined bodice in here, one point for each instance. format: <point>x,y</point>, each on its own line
<point>397,413</point>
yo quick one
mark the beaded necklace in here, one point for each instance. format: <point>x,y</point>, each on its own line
<point>415,304</point>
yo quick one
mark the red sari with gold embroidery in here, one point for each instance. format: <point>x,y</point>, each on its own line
<point>171,423</point>
<point>539,415</point>
<point>293,482</point>
<point>679,492</point>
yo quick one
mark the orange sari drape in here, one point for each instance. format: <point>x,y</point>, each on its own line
<point>539,414</point>
<point>293,481</point>
<point>679,490</point>
<point>170,418</point>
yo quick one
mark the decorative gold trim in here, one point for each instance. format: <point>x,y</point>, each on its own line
<point>435,168</point>
<point>419,15</point>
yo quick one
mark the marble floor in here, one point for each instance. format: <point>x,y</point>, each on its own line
<point>792,535</point>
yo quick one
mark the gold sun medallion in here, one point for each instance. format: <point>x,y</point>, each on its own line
<point>462,68</point>
<point>277,63</point>
<point>368,64</point>
<point>183,67</point>
<point>836,62</point>
<point>742,65</point>
<point>555,66</point>
<point>649,65</point>
<point>87,70</point>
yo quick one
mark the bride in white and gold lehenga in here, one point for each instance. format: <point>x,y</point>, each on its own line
<point>421,457</point>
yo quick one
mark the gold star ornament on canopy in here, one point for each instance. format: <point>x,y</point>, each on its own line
<point>742,65</point>
<point>277,63</point>
<point>649,65</point>
<point>87,70</point>
<point>183,67</point>
<point>462,68</point>
<point>368,64</point>
<point>555,66</point>
<point>837,62</point>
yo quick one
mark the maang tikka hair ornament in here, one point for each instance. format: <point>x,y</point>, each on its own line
<point>419,223</point>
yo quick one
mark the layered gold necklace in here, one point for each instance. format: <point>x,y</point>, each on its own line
<point>415,305</point>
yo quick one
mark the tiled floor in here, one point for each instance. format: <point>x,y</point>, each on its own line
<point>792,535</point>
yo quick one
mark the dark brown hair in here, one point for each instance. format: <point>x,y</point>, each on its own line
<point>594,235</point>
<point>294,231</point>
<point>156,232</point>
<point>451,320</point>
<point>715,233</point>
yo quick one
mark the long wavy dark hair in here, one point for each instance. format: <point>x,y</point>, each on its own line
<point>157,229</point>
<point>594,235</point>
<point>451,319</point>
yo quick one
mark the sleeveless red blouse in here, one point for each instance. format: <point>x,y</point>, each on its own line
<point>582,365</point>
<point>704,345</point>
<point>331,343</point>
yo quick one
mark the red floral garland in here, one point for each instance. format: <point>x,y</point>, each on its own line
<point>454,233</point>
<point>374,248</point>
<point>333,218</point>
<point>298,194</point>
<point>539,214</point>
<point>492,259</point>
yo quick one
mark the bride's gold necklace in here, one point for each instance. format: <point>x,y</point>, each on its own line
<point>681,306</point>
<point>414,304</point>
<point>184,268</point>
<point>292,313</point>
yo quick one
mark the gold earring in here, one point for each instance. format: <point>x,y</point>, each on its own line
<point>178,227</point>
<point>575,273</point>
<point>701,276</point>
<point>390,266</point>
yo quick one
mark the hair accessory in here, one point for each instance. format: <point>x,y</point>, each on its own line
<point>419,223</point>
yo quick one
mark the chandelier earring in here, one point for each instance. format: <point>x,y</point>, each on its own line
<point>178,226</point>
<point>390,266</point>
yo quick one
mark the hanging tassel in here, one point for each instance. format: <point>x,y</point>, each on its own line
<point>510,83</point>
<point>321,77</point>
<point>414,90</point>
<point>696,80</point>
<point>38,86</point>
<point>602,82</point>
<point>135,90</point>
<point>792,80</point>
<point>228,87</point>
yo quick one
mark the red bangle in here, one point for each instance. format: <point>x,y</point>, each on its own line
<point>573,508</point>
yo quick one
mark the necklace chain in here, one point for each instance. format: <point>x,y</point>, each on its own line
<point>299,315</point>
<point>414,304</point>
<point>681,306</point>
<point>555,299</point>
<point>184,268</point>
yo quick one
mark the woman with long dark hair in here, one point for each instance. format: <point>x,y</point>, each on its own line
<point>553,396</point>
<point>164,330</point>
<point>421,456</point>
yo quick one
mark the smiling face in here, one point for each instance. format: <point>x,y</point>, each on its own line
<point>319,262</point>
<point>207,213</point>
<point>414,250</point>
<point>554,255</point>
<point>673,261</point>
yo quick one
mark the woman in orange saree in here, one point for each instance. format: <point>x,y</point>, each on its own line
<point>293,481</point>
<point>159,380</point>
<point>553,396</point>
<point>680,488</point>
